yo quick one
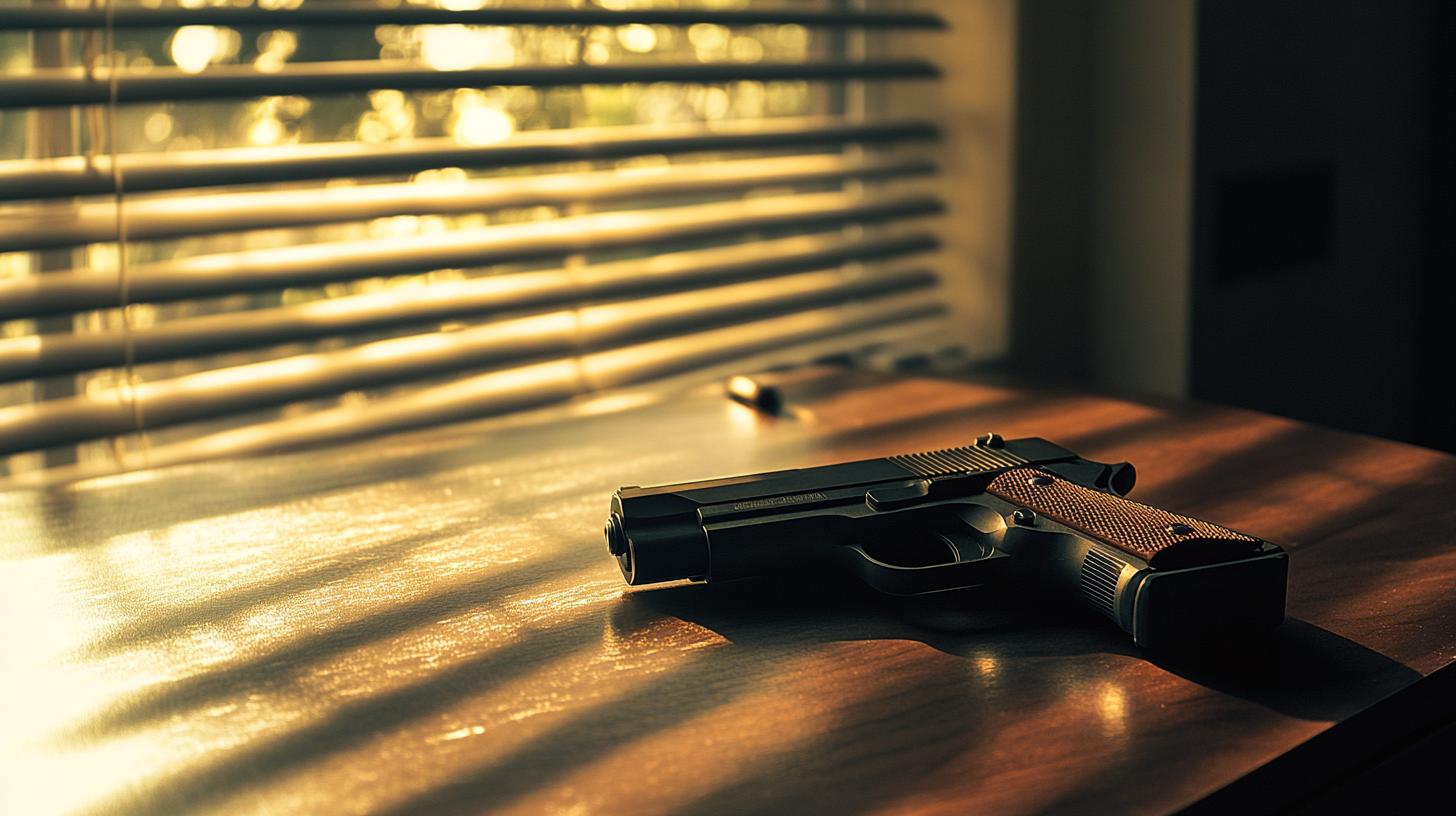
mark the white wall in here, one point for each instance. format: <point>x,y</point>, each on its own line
<point>973,104</point>
<point>1141,205</point>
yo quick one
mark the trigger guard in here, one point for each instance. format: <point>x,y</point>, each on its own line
<point>893,580</point>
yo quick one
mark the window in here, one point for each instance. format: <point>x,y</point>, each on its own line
<point>242,227</point>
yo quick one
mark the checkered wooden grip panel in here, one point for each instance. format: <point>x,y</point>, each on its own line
<point>1161,538</point>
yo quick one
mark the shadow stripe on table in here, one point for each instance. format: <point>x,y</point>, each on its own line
<point>168,699</point>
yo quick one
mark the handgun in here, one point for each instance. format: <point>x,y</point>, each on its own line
<point>1023,511</point>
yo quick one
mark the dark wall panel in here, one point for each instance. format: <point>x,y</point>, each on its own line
<point>1310,197</point>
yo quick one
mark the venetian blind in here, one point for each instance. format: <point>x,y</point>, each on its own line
<point>236,227</point>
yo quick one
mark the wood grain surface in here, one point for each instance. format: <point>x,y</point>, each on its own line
<point>430,623</point>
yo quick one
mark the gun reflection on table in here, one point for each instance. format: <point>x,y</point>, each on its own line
<point>1019,510</point>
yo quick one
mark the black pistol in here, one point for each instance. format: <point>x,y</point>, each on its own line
<point>1024,510</point>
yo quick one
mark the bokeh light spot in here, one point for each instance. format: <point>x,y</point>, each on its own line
<point>637,38</point>
<point>193,47</point>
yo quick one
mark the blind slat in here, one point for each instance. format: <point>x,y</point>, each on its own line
<point>340,14</point>
<point>529,386</point>
<point>49,87</point>
<point>315,264</point>
<point>597,324</point>
<point>148,172</point>
<point>243,388</point>
<point>50,355</point>
<point>149,219</point>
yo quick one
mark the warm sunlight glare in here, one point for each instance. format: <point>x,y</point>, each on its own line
<point>457,47</point>
<point>637,38</point>
<point>1112,707</point>
<point>478,123</point>
<point>193,47</point>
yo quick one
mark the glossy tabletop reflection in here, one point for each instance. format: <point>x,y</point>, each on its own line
<point>430,623</point>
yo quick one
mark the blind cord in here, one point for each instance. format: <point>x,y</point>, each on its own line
<point>129,377</point>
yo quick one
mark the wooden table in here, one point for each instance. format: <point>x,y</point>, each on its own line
<point>430,623</point>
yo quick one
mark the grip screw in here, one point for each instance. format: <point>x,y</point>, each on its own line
<point>1024,516</point>
<point>1039,481</point>
<point>1179,529</point>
